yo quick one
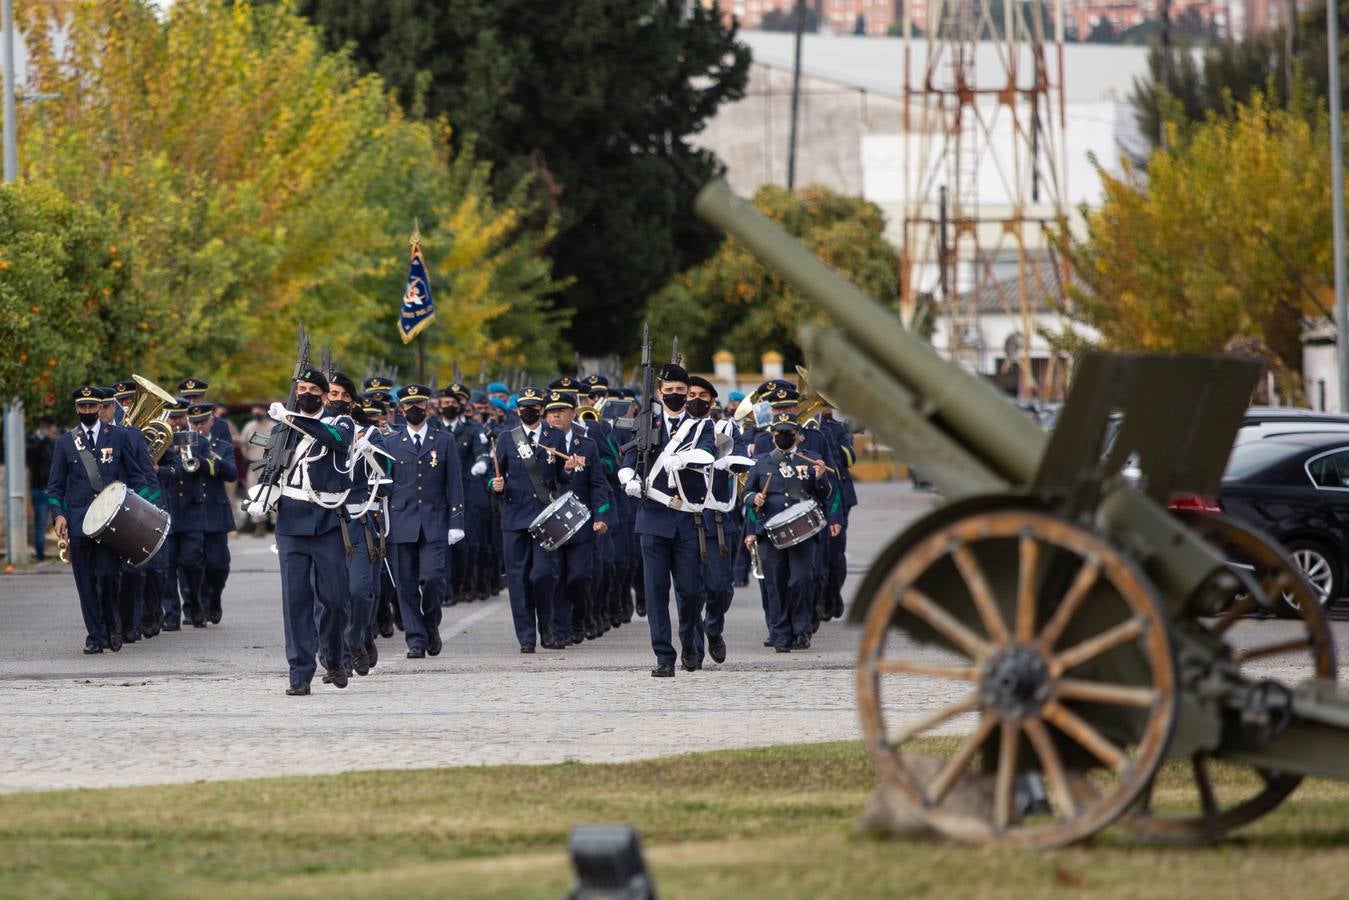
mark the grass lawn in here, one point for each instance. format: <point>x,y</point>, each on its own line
<point>772,822</point>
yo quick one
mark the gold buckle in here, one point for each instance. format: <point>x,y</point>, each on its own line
<point>676,503</point>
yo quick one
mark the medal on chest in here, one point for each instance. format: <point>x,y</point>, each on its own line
<point>786,469</point>
<point>801,472</point>
<point>526,452</point>
<point>434,462</point>
<point>107,455</point>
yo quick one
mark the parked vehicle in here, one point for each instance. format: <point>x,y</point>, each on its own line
<point>1295,488</point>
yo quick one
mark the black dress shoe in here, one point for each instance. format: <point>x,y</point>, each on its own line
<point>802,642</point>
<point>91,649</point>
<point>526,648</point>
<point>115,640</point>
<point>768,641</point>
<point>360,662</point>
<point>372,652</point>
<point>198,623</point>
<point>386,629</point>
<point>783,649</point>
<point>298,690</point>
<point>691,664</point>
<point>130,637</point>
<point>577,637</point>
<point>215,616</point>
<point>554,645</point>
<point>417,653</point>
<point>434,644</point>
<point>172,626</point>
<point>336,677</point>
<point>716,648</point>
<point>664,670</point>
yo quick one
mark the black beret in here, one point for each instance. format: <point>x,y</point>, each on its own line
<point>674,372</point>
<point>701,382</point>
<point>343,380</point>
<point>314,376</point>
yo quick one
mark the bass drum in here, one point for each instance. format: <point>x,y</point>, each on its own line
<point>796,524</point>
<point>560,521</point>
<point>127,524</point>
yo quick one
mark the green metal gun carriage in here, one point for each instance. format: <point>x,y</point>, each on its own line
<point>1086,633</point>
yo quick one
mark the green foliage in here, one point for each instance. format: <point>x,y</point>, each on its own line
<point>732,300</point>
<point>1223,74</point>
<point>64,279</point>
<point>1228,238</point>
<point>597,99</point>
<point>259,180</point>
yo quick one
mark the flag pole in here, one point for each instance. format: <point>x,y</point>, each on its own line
<point>421,359</point>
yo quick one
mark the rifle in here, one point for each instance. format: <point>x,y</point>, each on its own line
<point>648,431</point>
<point>282,439</point>
<point>674,352</point>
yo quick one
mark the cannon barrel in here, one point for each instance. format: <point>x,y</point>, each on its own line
<point>998,434</point>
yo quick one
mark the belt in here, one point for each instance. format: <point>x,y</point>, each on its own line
<point>357,509</point>
<point>676,503</point>
<point>329,498</point>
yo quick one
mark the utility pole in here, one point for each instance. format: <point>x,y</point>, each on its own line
<point>16,488</point>
<point>796,93</point>
<point>1337,201</point>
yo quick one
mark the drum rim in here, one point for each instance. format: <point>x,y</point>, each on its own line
<point>121,499</point>
<point>807,503</point>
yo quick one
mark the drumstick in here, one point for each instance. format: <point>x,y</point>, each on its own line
<point>496,463</point>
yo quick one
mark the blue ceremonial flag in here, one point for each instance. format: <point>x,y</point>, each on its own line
<point>419,308</point>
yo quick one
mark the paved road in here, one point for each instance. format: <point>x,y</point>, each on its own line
<point>209,704</point>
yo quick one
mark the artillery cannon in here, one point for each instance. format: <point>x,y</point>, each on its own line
<point>1082,631</point>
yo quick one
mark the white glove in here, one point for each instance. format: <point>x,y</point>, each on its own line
<point>673,464</point>
<point>256,508</point>
<point>633,488</point>
<point>721,464</point>
<point>362,444</point>
<point>479,467</point>
<point>456,535</point>
<point>277,410</point>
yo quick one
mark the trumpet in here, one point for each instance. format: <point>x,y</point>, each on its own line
<point>188,460</point>
<point>755,563</point>
<point>63,550</point>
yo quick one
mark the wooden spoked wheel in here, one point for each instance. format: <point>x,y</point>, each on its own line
<point>1068,676</point>
<point>1206,812</point>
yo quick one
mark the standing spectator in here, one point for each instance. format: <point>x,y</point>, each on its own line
<point>253,454</point>
<point>39,455</point>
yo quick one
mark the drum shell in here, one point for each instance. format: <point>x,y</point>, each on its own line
<point>796,524</point>
<point>135,531</point>
<point>560,522</point>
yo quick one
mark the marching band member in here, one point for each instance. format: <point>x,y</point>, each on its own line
<point>575,607</point>
<point>365,530</point>
<point>668,520</point>
<point>308,540</point>
<point>185,463</point>
<point>474,452</point>
<point>525,479</point>
<point>217,469</point>
<point>85,460</point>
<point>426,503</point>
<point>779,479</point>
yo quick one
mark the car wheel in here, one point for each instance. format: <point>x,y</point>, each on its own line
<point>1321,569</point>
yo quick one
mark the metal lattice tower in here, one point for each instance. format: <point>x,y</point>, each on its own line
<point>984,165</point>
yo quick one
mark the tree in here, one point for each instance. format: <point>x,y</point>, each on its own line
<point>259,179</point>
<point>597,99</point>
<point>733,301</point>
<point>1226,74</point>
<point>1228,238</point>
<point>68,312</point>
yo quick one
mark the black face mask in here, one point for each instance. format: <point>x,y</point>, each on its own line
<point>415,415</point>
<point>339,408</point>
<point>674,402</point>
<point>450,412</point>
<point>529,415</point>
<point>784,440</point>
<point>699,408</point>
<point>87,419</point>
<point>309,403</point>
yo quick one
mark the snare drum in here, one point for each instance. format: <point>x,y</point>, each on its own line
<point>127,524</point>
<point>560,521</point>
<point>795,524</point>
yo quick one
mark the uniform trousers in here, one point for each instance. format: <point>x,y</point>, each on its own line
<point>313,570</point>
<point>97,571</point>
<point>573,603</point>
<point>363,570</point>
<point>189,564</point>
<point>838,571</point>
<point>531,579</point>
<point>788,580</point>
<point>718,587</point>
<point>216,545</point>
<point>665,560</point>
<point>419,569</point>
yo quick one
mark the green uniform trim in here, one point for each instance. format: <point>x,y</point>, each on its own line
<point>604,508</point>
<point>56,501</point>
<point>752,514</point>
<point>333,431</point>
<point>144,492</point>
<point>152,496</point>
<point>833,507</point>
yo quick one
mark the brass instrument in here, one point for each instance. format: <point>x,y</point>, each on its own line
<point>63,550</point>
<point>812,401</point>
<point>588,414</point>
<point>187,459</point>
<point>147,414</point>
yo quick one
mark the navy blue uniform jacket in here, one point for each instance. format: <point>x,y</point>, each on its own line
<point>587,483</point>
<point>426,498</point>
<point>519,506</point>
<point>117,458</point>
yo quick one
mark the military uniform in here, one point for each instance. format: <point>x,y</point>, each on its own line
<point>528,483</point>
<point>219,469</point>
<point>426,510</point>
<point>107,454</point>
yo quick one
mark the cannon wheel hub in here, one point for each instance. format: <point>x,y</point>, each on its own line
<point>1016,681</point>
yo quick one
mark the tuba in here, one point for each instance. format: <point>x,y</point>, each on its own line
<point>147,414</point>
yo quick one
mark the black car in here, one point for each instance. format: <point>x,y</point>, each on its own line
<point>1295,488</point>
